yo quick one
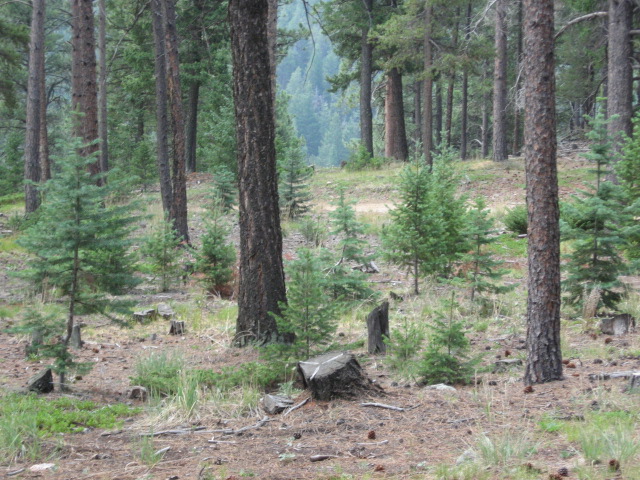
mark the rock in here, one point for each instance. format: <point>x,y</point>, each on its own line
<point>618,324</point>
<point>144,315</point>
<point>468,456</point>
<point>441,387</point>
<point>41,382</point>
<point>138,393</point>
<point>165,311</point>
<point>40,467</point>
<point>274,404</point>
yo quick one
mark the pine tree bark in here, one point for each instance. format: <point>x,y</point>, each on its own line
<point>395,145</point>
<point>162,121</point>
<point>427,86</point>
<point>366,72</point>
<point>192,125</point>
<point>84,88</point>
<point>102,100</point>
<point>437,116</point>
<point>417,112</point>
<point>451,79</point>
<point>486,105</point>
<point>544,361</point>
<point>178,211</point>
<point>45,162</point>
<point>619,71</point>
<point>34,98</point>
<point>262,286</point>
<point>464,108</point>
<point>516,87</point>
<point>500,84</point>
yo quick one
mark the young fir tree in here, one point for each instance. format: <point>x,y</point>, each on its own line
<point>80,243</point>
<point>309,314</point>
<point>161,253</point>
<point>485,271</point>
<point>592,222</point>
<point>225,190</point>
<point>217,257</point>
<point>628,172</point>
<point>293,171</point>
<point>426,234</point>
<point>446,359</point>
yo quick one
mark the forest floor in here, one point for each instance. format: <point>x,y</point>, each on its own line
<point>491,429</point>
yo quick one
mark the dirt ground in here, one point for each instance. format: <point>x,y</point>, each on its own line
<point>435,427</point>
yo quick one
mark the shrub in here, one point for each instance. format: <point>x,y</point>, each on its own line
<point>161,252</point>
<point>361,159</point>
<point>516,221</point>
<point>217,257</point>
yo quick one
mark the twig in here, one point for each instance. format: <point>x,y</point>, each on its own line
<point>295,407</point>
<point>382,405</point>
<point>175,432</point>
<point>161,451</point>
<point>383,442</point>
<point>319,458</point>
<point>231,431</point>
<point>222,441</point>
<point>462,420</point>
<point>15,472</point>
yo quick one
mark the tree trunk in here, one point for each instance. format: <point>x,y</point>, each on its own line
<point>437,117</point>
<point>500,84</point>
<point>427,93</point>
<point>334,375</point>
<point>451,76</point>
<point>84,91</point>
<point>162,124</point>
<point>516,88</point>
<point>261,287</point>
<point>464,109</point>
<point>45,162</point>
<point>366,72</point>
<point>417,112</point>
<point>395,145</point>
<point>178,212</point>
<point>192,125</point>
<point>619,71</point>
<point>272,39</point>
<point>102,124</point>
<point>544,361</point>
<point>34,98</point>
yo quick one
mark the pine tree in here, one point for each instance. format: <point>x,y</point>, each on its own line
<point>161,253</point>
<point>310,312</point>
<point>225,191</point>
<point>345,225</point>
<point>592,221</point>
<point>485,269</point>
<point>80,242</point>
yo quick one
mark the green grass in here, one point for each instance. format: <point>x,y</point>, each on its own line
<point>9,244</point>
<point>15,199</point>
<point>26,420</point>
<point>509,245</point>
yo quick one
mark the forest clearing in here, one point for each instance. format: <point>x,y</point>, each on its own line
<point>493,428</point>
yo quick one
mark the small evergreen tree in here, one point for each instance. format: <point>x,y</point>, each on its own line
<point>309,314</point>
<point>80,243</point>
<point>485,271</point>
<point>225,191</point>
<point>345,225</point>
<point>592,221</point>
<point>446,359</point>
<point>217,257</point>
<point>628,172</point>
<point>161,253</point>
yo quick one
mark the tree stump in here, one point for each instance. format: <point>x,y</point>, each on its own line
<point>177,328</point>
<point>76,336</point>
<point>618,324</point>
<point>378,328</point>
<point>334,375</point>
<point>42,382</point>
<point>165,311</point>
<point>143,315</point>
<point>634,383</point>
<point>274,404</point>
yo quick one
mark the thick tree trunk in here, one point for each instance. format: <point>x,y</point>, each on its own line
<point>544,361</point>
<point>192,125</point>
<point>366,72</point>
<point>427,89</point>
<point>102,124</point>
<point>464,113</point>
<point>34,98</point>
<point>516,88</point>
<point>451,79</point>
<point>500,84</point>
<point>395,145</point>
<point>162,122</point>
<point>84,89</point>
<point>45,161</point>
<point>178,212</point>
<point>619,71</point>
<point>262,287</point>
<point>486,101</point>
<point>272,39</point>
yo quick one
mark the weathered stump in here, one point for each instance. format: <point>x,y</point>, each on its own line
<point>334,375</point>
<point>42,382</point>
<point>76,336</point>
<point>144,315</point>
<point>177,328</point>
<point>378,328</point>
<point>165,311</point>
<point>618,324</point>
<point>273,404</point>
<point>634,383</point>
<point>37,338</point>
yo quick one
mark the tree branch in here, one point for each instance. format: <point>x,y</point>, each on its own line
<point>589,16</point>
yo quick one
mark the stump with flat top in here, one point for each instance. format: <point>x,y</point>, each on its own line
<point>177,328</point>
<point>378,328</point>
<point>42,382</point>
<point>334,375</point>
<point>618,324</point>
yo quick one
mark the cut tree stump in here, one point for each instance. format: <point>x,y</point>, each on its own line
<point>165,311</point>
<point>378,328</point>
<point>177,328</point>
<point>274,404</point>
<point>76,336</point>
<point>634,383</point>
<point>42,382</point>
<point>335,375</point>
<point>618,324</point>
<point>144,315</point>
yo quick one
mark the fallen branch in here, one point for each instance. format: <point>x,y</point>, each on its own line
<point>607,376</point>
<point>222,441</point>
<point>383,442</point>
<point>15,472</point>
<point>295,407</point>
<point>382,405</point>
<point>161,451</point>
<point>231,431</point>
<point>319,458</point>
<point>175,432</point>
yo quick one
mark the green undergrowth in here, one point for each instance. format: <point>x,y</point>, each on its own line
<point>26,420</point>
